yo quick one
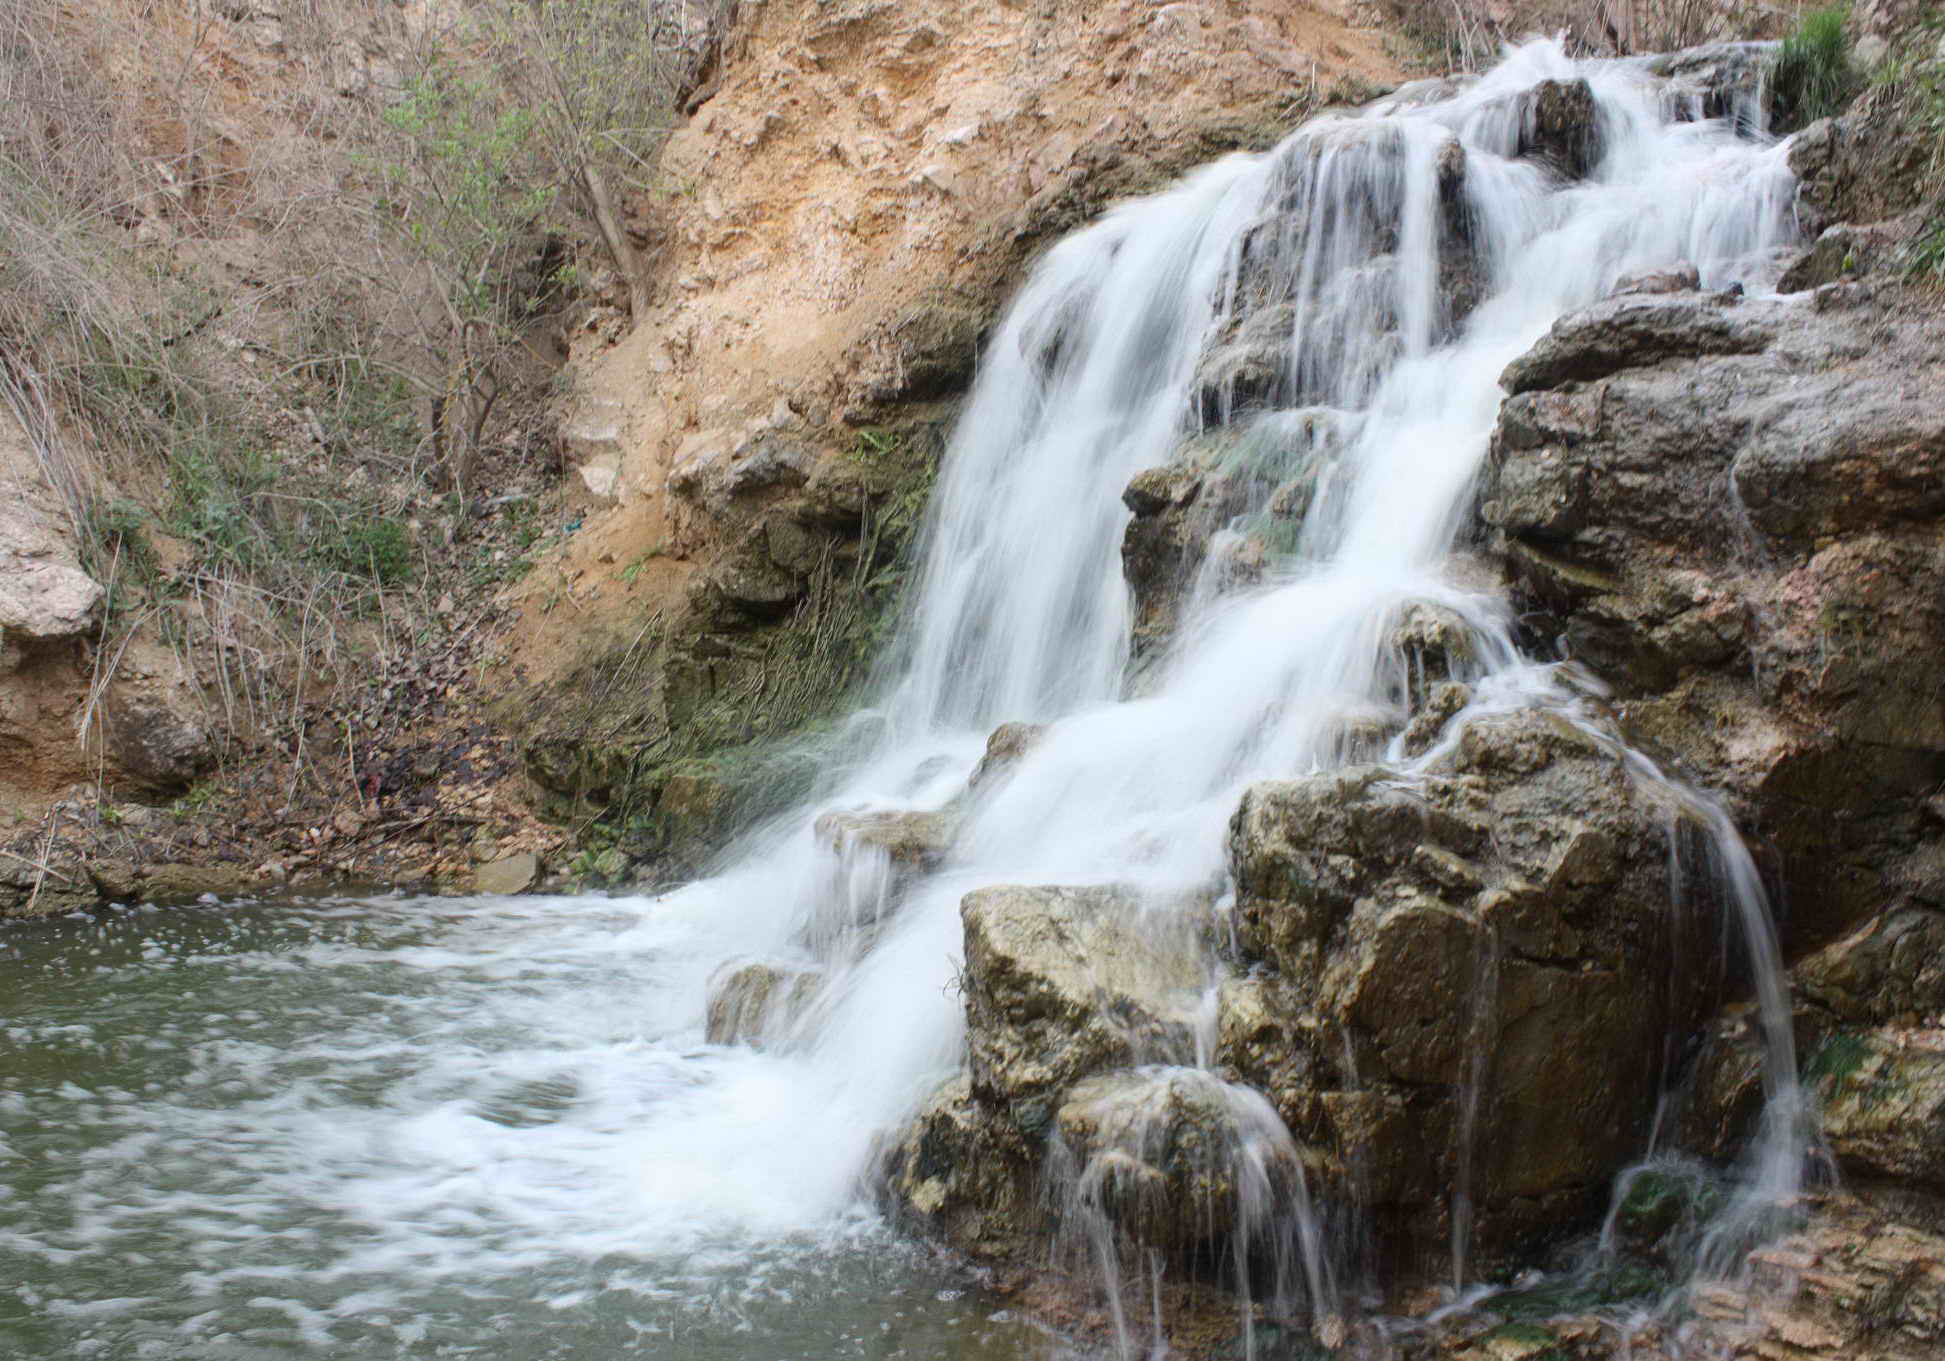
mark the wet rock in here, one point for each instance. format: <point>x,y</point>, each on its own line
<point>1441,703</point>
<point>1893,966</point>
<point>509,874</point>
<point>1248,371</point>
<point>1881,1094</point>
<point>752,1002</point>
<point>1635,331</point>
<point>1657,1203</point>
<point>1171,1156</point>
<point>1714,80</point>
<point>1750,550</point>
<point>1259,476</point>
<point>956,1171</point>
<point>1157,489</point>
<point>1063,982</point>
<point>1435,645</point>
<point>1005,749</point>
<point>911,840</point>
<point>1498,928</point>
<point>1562,126</point>
<point>1681,279</point>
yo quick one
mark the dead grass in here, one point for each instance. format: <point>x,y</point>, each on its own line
<point>224,354</point>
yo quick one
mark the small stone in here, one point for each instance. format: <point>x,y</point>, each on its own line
<point>507,875</point>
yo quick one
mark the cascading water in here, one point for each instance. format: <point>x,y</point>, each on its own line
<point>1391,263</point>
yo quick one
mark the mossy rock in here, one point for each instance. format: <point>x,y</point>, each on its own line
<point>678,732</point>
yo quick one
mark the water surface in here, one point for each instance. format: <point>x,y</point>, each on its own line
<point>399,1127</point>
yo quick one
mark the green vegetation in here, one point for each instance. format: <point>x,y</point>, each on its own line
<point>1812,76</point>
<point>1839,1056</point>
<point>1917,73</point>
<point>273,377</point>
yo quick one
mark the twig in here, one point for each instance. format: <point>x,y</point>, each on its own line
<point>40,865</point>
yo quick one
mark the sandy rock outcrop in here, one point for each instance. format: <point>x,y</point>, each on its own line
<point>847,212</point>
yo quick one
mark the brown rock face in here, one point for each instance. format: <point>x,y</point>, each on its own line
<point>849,209</point>
<point>1466,980</point>
<point>1731,511</point>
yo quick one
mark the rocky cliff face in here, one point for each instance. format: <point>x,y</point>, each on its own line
<point>839,221</point>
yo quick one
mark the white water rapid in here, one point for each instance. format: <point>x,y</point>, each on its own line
<point>665,1148</point>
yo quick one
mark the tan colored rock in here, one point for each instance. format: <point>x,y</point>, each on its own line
<point>44,594</point>
<point>1008,745</point>
<point>750,1003</point>
<point>1172,1156</point>
<point>509,874</point>
<point>911,840</point>
<point>1882,1096</point>
<point>1063,982</point>
<point>1891,966</point>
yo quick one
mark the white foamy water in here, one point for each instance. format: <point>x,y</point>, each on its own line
<point>447,1120</point>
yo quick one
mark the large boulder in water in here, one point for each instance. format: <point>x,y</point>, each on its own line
<point>1060,983</point>
<point>1731,511</point>
<point>1465,980</point>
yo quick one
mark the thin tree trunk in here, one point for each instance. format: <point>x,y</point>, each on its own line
<point>615,237</point>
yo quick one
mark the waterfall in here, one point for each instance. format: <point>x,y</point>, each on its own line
<point>1389,262</point>
<point>387,1126</point>
<point>1099,372</point>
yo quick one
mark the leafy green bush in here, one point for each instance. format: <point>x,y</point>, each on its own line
<point>1812,76</point>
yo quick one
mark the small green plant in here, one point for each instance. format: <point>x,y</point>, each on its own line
<point>380,550</point>
<point>634,569</point>
<point>1812,76</point>
<point>874,444</point>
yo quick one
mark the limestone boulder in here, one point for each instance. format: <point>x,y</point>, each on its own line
<point>44,594</point>
<point>754,1003</point>
<point>1005,749</point>
<point>1171,1156</point>
<point>1891,968</point>
<point>1061,983</point>
<point>1882,1097</point>
<point>954,1171</point>
<point>1492,937</point>
<point>911,840</point>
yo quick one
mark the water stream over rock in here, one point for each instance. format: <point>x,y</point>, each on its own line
<point>1277,922</point>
